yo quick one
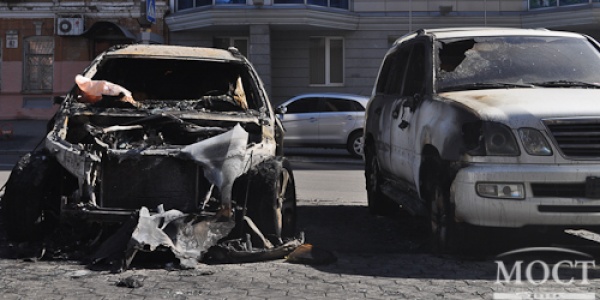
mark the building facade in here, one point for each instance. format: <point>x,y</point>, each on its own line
<point>45,43</point>
<point>297,46</point>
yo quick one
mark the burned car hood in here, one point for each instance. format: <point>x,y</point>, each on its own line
<point>525,107</point>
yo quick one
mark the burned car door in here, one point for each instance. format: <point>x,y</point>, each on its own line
<point>403,135</point>
<point>388,89</point>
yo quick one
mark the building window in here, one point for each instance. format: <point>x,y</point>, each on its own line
<point>241,43</point>
<point>217,2</point>
<point>326,61</point>
<point>328,3</point>
<point>534,4</point>
<point>38,64</point>
<point>185,4</point>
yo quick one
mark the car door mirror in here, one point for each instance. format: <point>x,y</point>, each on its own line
<point>59,99</point>
<point>281,110</point>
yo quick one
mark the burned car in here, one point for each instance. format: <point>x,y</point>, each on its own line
<point>182,138</point>
<point>486,127</point>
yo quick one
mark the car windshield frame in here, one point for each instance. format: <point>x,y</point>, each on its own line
<point>485,62</point>
<point>181,84</point>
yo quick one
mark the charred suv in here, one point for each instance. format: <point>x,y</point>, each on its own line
<point>156,128</point>
<point>492,127</point>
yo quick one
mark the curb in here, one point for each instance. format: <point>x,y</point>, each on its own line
<point>305,159</point>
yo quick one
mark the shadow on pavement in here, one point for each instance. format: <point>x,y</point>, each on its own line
<point>362,242</point>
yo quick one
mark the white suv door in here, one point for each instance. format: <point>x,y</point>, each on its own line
<point>402,133</point>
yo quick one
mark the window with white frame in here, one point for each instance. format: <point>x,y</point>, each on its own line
<point>328,3</point>
<point>241,43</point>
<point>185,4</point>
<point>38,64</point>
<point>326,61</point>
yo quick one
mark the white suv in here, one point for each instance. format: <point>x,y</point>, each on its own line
<point>491,127</point>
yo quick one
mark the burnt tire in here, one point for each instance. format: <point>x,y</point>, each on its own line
<point>444,229</point>
<point>355,144</point>
<point>379,204</point>
<point>27,200</point>
<point>272,200</point>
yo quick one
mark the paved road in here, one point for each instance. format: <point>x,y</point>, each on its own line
<point>377,258</point>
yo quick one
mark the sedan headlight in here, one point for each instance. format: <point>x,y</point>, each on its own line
<point>534,142</point>
<point>499,140</point>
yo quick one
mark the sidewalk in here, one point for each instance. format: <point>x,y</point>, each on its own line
<point>26,135</point>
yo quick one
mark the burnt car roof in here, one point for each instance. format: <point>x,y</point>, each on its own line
<point>176,52</point>
<point>458,32</point>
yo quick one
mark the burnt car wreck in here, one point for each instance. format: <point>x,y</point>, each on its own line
<point>177,146</point>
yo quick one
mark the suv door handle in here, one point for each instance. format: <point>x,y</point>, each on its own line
<point>349,118</point>
<point>313,119</point>
<point>396,112</point>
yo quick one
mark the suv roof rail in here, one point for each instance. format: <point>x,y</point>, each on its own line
<point>235,51</point>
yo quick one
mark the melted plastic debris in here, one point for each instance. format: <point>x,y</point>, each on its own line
<point>188,236</point>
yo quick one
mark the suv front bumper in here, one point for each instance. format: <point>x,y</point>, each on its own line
<point>553,195</point>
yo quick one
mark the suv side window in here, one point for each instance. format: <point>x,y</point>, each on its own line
<point>415,79</point>
<point>332,104</point>
<point>395,77</point>
<point>306,105</point>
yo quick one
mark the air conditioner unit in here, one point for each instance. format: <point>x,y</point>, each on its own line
<point>69,26</point>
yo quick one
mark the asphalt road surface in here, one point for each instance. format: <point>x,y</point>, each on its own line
<point>377,258</point>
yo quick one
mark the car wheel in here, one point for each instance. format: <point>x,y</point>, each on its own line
<point>379,204</point>
<point>274,210</point>
<point>442,219</point>
<point>24,204</point>
<point>355,144</point>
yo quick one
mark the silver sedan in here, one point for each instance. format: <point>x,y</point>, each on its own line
<point>324,120</point>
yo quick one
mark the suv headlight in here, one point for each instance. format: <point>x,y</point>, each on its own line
<point>499,140</point>
<point>534,142</point>
<point>501,190</point>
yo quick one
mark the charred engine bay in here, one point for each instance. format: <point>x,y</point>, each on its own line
<point>125,132</point>
<point>172,175</point>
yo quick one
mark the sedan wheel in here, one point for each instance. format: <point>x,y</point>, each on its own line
<point>355,144</point>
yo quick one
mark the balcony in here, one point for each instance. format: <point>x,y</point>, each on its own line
<point>188,4</point>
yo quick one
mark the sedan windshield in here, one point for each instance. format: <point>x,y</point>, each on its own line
<point>517,61</point>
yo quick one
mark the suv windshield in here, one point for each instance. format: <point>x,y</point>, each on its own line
<point>182,83</point>
<point>516,61</point>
